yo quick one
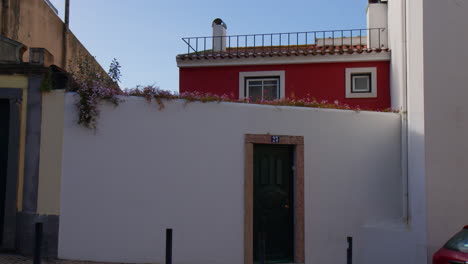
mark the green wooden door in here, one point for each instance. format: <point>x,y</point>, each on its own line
<point>4,135</point>
<point>273,203</point>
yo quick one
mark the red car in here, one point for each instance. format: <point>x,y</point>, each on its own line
<point>455,251</point>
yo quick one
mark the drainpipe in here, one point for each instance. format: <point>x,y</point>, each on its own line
<point>65,34</point>
<point>404,110</point>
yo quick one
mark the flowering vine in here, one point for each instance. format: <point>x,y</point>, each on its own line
<point>151,93</point>
<point>93,86</point>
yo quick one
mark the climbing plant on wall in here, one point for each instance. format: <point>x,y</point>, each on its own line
<point>94,86</point>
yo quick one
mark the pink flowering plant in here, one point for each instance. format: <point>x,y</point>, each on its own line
<point>152,92</point>
<point>94,86</point>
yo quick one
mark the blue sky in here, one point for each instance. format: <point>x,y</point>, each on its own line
<point>145,35</point>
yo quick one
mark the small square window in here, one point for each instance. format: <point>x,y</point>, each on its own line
<point>361,83</point>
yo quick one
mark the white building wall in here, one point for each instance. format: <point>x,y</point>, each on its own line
<point>146,170</point>
<point>377,24</point>
<point>446,118</point>
<point>416,130</point>
<point>407,236</point>
<point>397,44</point>
<point>437,117</point>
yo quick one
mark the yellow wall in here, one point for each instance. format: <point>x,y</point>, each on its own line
<point>19,81</point>
<point>50,165</point>
<point>33,23</point>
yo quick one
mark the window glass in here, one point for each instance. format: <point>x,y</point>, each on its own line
<point>459,242</point>
<point>272,82</point>
<point>270,92</point>
<point>263,89</point>
<point>255,82</point>
<point>361,83</point>
<point>255,92</point>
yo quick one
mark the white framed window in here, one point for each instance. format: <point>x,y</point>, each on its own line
<point>361,82</point>
<point>261,88</point>
<point>266,85</point>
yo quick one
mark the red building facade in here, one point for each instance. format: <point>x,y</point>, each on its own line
<point>348,66</point>
<point>320,81</point>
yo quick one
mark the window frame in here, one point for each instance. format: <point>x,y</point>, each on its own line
<point>353,82</point>
<point>244,76</point>
<point>351,72</point>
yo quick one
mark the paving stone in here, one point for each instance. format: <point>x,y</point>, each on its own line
<point>15,259</point>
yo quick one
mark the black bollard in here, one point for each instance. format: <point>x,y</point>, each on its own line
<point>349,251</point>
<point>169,246</point>
<point>38,243</point>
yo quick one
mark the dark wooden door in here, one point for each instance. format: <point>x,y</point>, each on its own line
<point>4,136</point>
<point>273,203</point>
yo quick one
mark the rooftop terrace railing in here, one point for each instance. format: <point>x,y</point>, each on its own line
<point>373,38</point>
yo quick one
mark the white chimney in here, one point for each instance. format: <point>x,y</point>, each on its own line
<point>219,35</point>
<point>377,24</point>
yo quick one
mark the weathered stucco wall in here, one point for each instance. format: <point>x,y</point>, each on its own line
<point>33,23</point>
<point>50,166</point>
<point>146,170</point>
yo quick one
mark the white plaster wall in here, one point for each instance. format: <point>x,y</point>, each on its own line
<point>145,170</point>
<point>408,235</point>
<point>446,118</point>
<point>415,242</point>
<point>437,118</point>
<point>397,44</point>
<point>377,18</point>
<point>412,49</point>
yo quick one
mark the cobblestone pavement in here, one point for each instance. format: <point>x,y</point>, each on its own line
<point>15,259</point>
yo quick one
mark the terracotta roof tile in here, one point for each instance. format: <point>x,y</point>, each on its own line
<point>276,51</point>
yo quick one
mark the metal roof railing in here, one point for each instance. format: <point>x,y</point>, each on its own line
<point>373,38</point>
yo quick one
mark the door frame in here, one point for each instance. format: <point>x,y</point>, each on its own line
<point>14,95</point>
<point>298,190</point>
